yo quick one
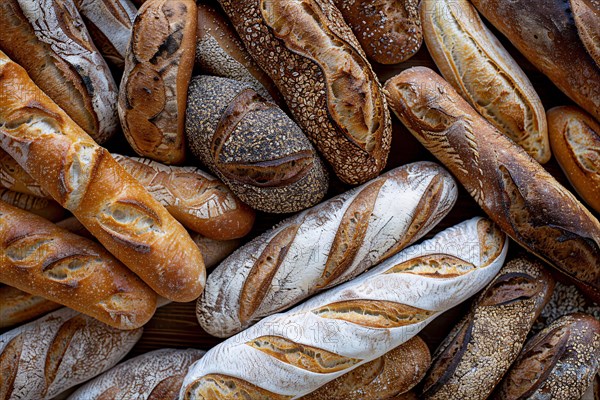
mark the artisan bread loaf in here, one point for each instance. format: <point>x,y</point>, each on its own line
<point>475,63</point>
<point>44,358</point>
<point>152,376</point>
<point>19,307</point>
<point>322,73</point>
<point>46,208</point>
<point>158,68</point>
<point>544,32</point>
<point>325,246</point>
<point>479,350</point>
<point>511,187</point>
<point>394,373</point>
<point>389,31</point>
<point>558,363</point>
<point>14,178</point>
<point>587,20</point>
<point>575,139</point>
<point>253,146</point>
<point>48,38</point>
<point>86,180</point>
<point>332,333</point>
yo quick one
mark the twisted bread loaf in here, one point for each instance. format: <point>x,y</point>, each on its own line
<point>332,333</point>
<point>46,208</point>
<point>325,246</point>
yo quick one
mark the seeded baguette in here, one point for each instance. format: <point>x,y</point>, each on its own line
<point>474,62</point>
<point>511,187</point>
<point>332,333</point>
<point>19,307</point>
<point>48,209</point>
<point>325,246</point>
<point>86,180</point>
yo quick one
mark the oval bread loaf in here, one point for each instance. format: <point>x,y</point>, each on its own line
<point>19,307</point>
<point>511,187</point>
<point>253,146</point>
<point>332,333</point>
<point>587,20</point>
<point>325,246</point>
<point>46,208</point>
<point>320,69</point>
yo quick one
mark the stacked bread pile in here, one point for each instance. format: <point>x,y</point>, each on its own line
<point>111,111</point>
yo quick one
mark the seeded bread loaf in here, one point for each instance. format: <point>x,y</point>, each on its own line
<point>587,20</point>
<point>19,307</point>
<point>46,208</point>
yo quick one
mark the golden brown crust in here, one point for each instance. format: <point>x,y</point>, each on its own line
<point>19,307</point>
<point>14,178</point>
<point>217,387</point>
<point>587,20</point>
<point>43,207</point>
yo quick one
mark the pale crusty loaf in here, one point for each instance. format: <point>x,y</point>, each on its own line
<point>152,376</point>
<point>40,258</point>
<point>477,353</point>
<point>473,61</point>
<point>19,307</point>
<point>86,180</point>
<point>325,246</point>
<point>44,358</point>
<point>43,207</point>
<point>389,31</point>
<point>394,373</point>
<point>158,68</point>
<point>322,73</point>
<point>587,20</point>
<point>332,333</point>
<point>510,186</point>
<point>48,38</point>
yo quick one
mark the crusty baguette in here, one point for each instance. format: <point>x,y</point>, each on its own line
<point>320,69</point>
<point>477,353</point>
<point>291,354</point>
<point>14,178</point>
<point>575,139</point>
<point>44,358</point>
<point>253,146</point>
<point>587,20</point>
<point>158,68</point>
<point>220,52</point>
<point>544,32</point>
<point>48,38</point>
<point>152,376</point>
<point>19,307</point>
<point>559,363</point>
<point>389,31</point>
<point>473,61</point>
<point>109,23</point>
<point>394,373</point>
<point>325,246</point>
<point>86,180</point>
<point>46,208</point>
<point>511,187</point>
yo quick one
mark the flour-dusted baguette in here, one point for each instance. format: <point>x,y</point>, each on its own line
<point>481,70</point>
<point>157,375</point>
<point>19,307</point>
<point>322,73</point>
<point>86,180</point>
<point>587,20</point>
<point>511,187</point>
<point>40,258</point>
<point>48,38</point>
<point>44,358</point>
<point>558,363</point>
<point>392,374</point>
<point>46,208</point>
<point>253,146</point>
<point>220,52</point>
<point>302,349</point>
<point>389,31</point>
<point>197,200</point>
<point>477,353</point>
<point>14,178</point>
<point>109,23</point>
<point>544,32</point>
<point>575,139</point>
<point>325,246</point>
<point>158,68</point>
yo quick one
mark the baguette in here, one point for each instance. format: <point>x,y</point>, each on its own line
<point>44,358</point>
<point>474,62</point>
<point>324,77</point>
<point>389,31</point>
<point>477,353</point>
<point>394,373</point>
<point>559,363</point>
<point>48,209</point>
<point>19,307</point>
<point>158,68</point>
<point>48,38</point>
<point>575,139</point>
<point>86,180</point>
<point>587,20</point>
<point>325,246</point>
<point>512,188</point>
<point>152,376</point>
<point>544,32</point>
<point>14,178</point>
<point>331,334</point>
